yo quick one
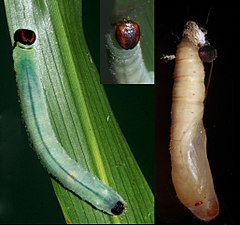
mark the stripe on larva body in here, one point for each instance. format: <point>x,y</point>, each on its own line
<point>48,148</point>
<point>127,66</point>
<point>191,173</point>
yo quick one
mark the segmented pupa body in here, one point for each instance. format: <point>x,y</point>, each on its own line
<point>191,173</point>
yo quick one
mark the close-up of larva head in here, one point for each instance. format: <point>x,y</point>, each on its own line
<point>127,33</point>
<point>128,42</point>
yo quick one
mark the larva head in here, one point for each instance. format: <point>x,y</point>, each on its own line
<point>127,34</point>
<point>118,208</point>
<point>24,38</point>
<point>207,53</point>
<point>205,210</point>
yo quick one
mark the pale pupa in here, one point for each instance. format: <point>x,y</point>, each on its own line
<point>191,174</point>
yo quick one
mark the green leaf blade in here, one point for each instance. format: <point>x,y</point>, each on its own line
<point>80,113</point>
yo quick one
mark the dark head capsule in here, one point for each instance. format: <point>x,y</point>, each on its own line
<point>24,36</point>
<point>127,34</point>
<point>118,208</point>
<point>207,53</point>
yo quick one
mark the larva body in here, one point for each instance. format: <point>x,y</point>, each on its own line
<point>191,173</point>
<point>127,66</point>
<point>48,148</point>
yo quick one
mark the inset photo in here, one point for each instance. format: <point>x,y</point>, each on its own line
<point>127,42</point>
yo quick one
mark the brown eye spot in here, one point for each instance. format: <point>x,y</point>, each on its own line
<point>24,36</point>
<point>207,53</point>
<point>127,34</point>
<point>198,203</point>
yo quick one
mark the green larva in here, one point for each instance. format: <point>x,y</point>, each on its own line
<point>48,148</point>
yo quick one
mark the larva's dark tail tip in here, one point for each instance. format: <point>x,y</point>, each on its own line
<point>118,208</point>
